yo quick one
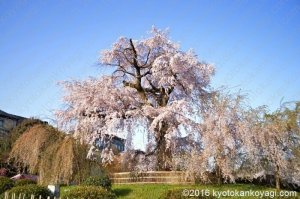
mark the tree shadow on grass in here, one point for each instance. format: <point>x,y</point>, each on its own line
<point>122,191</point>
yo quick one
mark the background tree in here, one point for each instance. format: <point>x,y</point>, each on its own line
<point>274,140</point>
<point>293,117</point>
<point>283,153</point>
<point>239,142</point>
<point>153,86</point>
<point>7,141</point>
<point>226,140</point>
<point>54,156</point>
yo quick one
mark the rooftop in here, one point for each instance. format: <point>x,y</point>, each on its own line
<point>10,116</point>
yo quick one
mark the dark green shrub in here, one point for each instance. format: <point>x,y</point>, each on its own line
<point>89,192</point>
<point>102,181</point>
<point>5,184</point>
<point>178,194</point>
<point>30,189</point>
<point>23,182</point>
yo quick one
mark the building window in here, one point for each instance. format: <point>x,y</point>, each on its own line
<point>1,123</point>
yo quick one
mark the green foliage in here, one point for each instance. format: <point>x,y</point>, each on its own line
<point>103,181</point>
<point>23,182</point>
<point>5,184</point>
<point>288,114</point>
<point>30,189</point>
<point>4,147</point>
<point>89,192</point>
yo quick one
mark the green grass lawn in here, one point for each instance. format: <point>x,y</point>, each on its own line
<point>154,191</point>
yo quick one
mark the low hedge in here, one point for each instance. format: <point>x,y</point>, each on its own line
<point>103,181</point>
<point>30,189</point>
<point>23,182</point>
<point>88,192</point>
<point>5,184</point>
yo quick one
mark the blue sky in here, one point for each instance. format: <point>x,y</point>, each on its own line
<point>254,45</point>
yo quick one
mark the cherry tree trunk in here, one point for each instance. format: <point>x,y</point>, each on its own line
<point>218,175</point>
<point>163,152</point>
<point>277,178</point>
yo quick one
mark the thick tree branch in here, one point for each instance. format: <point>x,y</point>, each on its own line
<point>135,62</point>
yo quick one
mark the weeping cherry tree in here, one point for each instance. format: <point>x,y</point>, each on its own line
<point>153,86</point>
